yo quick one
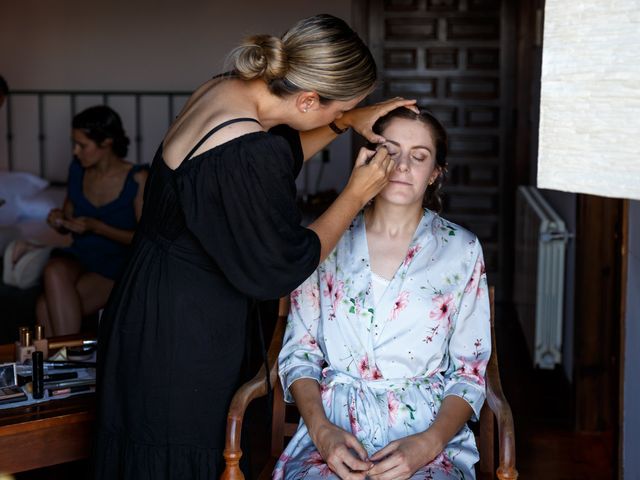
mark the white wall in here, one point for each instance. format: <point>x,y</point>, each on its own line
<point>631,411</point>
<point>141,45</point>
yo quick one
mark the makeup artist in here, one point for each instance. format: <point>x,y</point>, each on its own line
<point>220,227</point>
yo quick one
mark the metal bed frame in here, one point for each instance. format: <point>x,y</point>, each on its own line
<point>73,97</point>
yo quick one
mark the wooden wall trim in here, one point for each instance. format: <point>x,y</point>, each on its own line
<point>598,316</point>
<point>624,258</point>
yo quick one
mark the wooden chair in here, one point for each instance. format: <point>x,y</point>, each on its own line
<point>495,408</point>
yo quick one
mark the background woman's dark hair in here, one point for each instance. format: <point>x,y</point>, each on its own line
<point>433,195</point>
<point>100,123</point>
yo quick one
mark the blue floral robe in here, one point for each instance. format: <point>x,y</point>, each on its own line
<point>384,368</point>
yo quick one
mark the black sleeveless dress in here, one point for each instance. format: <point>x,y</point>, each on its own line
<point>218,231</point>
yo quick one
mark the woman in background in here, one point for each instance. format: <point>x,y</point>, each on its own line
<point>101,211</point>
<point>387,342</point>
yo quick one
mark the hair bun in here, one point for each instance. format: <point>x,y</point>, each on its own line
<point>260,56</point>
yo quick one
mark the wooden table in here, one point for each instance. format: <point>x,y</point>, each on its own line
<point>45,434</point>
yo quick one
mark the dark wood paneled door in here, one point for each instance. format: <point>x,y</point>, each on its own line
<point>453,56</point>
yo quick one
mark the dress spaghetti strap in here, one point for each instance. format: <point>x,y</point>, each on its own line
<point>215,129</point>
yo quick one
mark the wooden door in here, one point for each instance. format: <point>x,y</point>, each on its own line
<point>454,57</point>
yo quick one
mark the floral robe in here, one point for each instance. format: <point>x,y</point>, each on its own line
<point>384,368</point>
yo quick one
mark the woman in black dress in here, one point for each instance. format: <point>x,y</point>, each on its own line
<point>220,227</point>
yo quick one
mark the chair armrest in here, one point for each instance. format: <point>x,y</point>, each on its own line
<point>502,411</point>
<point>506,441</point>
<point>254,388</point>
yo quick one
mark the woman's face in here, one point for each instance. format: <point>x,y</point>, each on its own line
<point>86,150</point>
<point>413,149</point>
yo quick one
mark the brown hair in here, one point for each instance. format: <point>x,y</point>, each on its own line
<point>433,195</point>
<point>320,54</point>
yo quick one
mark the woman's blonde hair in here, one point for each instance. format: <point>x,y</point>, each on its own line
<point>320,54</point>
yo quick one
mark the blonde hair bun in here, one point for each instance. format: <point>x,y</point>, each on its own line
<point>260,56</point>
<point>319,54</point>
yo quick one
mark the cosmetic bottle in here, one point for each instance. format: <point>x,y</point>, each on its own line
<point>25,348</point>
<point>41,343</point>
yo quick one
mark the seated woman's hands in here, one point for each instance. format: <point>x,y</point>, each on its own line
<point>336,447</point>
<point>362,119</point>
<point>80,225</point>
<point>402,458</point>
<point>55,218</point>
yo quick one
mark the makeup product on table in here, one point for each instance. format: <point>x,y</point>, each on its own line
<point>48,377</point>
<point>9,392</point>
<point>12,394</point>
<point>41,343</point>
<point>70,383</point>
<point>66,391</point>
<point>24,347</point>
<point>8,377</point>
<point>66,364</point>
<point>71,343</point>
<point>37,374</point>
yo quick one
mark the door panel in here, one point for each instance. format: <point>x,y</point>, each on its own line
<point>448,54</point>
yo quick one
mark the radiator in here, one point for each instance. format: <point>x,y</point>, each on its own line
<point>541,239</point>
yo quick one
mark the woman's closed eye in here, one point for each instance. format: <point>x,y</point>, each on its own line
<point>393,150</point>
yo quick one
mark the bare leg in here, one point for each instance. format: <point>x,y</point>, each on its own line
<point>94,290</point>
<point>62,299</point>
<point>42,315</point>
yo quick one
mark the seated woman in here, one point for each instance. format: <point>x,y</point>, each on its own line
<point>101,210</point>
<point>387,342</point>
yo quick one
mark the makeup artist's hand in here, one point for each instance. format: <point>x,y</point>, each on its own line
<point>342,451</point>
<point>370,173</point>
<point>362,119</point>
<point>400,459</point>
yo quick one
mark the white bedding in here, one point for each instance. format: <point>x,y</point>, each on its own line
<point>27,202</point>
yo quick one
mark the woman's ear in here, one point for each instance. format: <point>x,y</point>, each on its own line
<point>307,101</point>
<point>435,174</point>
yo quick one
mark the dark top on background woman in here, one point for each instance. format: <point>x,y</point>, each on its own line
<point>95,252</point>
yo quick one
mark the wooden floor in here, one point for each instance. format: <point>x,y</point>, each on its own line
<point>542,403</point>
<point>547,446</point>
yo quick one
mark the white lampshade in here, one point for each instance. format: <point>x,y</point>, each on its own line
<point>590,98</point>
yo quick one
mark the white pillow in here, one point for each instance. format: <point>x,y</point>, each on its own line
<point>15,185</point>
<point>38,206</point>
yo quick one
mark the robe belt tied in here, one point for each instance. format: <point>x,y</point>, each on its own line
<point>368,406</point>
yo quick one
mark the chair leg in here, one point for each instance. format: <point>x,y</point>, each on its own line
<point>232,469</point>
